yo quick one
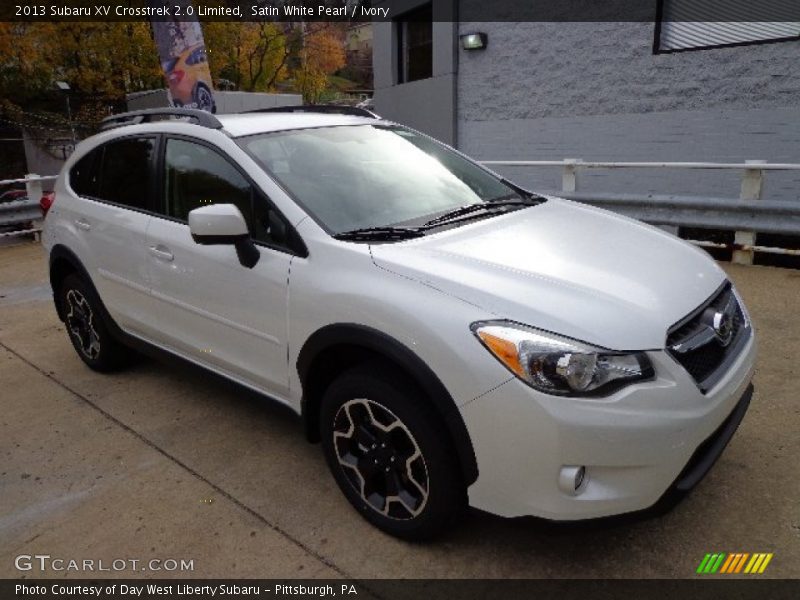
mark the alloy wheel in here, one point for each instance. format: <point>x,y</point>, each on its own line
<point>80,322</point>
<point>381,459</point>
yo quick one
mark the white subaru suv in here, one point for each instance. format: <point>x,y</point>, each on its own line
<point>449,337</point>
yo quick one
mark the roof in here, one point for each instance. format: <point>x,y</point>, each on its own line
<point>251,123</point>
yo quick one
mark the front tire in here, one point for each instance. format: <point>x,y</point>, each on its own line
<point>390,453</point>
<point>86,329</point>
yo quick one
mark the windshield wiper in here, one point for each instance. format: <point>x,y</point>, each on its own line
<point>380,234</point>
<point>484,207</point>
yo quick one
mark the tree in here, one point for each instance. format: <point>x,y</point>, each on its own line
<point>104,61</point>
<point>107,60</point>
<point>253,55</point>
<point>23,68</point>
<point>321,56</point>
<point>258,55</point>
<point>101,62</point>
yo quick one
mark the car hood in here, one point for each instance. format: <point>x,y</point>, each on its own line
<point>565,267</point>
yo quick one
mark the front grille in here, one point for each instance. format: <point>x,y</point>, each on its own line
<point>699,342</point>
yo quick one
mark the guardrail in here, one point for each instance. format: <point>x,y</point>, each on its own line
<point>745,216</point>
<point>27,210</point>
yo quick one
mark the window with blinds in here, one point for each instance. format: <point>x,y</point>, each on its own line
<point>696,24</point>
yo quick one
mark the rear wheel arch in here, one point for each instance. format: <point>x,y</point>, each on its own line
<point>334,349</point>
<point>64,262</point>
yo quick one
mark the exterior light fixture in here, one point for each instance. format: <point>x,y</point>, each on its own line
<point>474,41</point>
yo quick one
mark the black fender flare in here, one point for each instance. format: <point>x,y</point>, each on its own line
<point>379,343</point>
<point>60,253</point>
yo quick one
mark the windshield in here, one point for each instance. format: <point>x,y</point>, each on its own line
<point>354,177</point>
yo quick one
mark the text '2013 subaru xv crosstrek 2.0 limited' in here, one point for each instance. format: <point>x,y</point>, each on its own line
<point>449,337</point>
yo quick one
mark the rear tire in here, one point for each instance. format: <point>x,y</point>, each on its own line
<point>390,453</point>
<point>83,318</point>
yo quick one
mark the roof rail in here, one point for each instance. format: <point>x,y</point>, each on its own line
<point>339,109</point>
<point>201,117</point>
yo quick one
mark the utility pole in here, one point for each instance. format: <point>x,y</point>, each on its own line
<point>64,87</point>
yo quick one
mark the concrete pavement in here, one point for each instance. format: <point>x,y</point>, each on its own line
<point>163,462</point>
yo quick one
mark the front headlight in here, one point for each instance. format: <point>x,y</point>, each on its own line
<point>558,365</point>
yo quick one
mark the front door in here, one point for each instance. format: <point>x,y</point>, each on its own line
<point>211,307</point>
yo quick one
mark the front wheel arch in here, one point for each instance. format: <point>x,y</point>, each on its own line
<point>335,348</point>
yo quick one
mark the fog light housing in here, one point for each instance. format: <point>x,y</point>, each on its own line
<point>572,479</point>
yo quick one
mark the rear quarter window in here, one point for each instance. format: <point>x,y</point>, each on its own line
<point>126,172</point>
<point>84,176</point>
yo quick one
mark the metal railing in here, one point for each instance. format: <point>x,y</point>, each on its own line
<point>745,216</point>
<point>26,210</point>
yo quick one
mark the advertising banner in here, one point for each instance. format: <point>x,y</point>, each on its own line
<point>182,53</point>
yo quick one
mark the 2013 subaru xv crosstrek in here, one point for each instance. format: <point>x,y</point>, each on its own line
<point>449,337</point>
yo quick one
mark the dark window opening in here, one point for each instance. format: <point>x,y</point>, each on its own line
<point>125,174</point>
<point>415,44</point>
<point>197,176</point>
<point>84,177</point>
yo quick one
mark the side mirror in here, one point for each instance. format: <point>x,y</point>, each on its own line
<point>224,224</point>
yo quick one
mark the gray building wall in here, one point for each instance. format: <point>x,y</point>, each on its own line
<point>427,104</point>
<point>44,156</point>
<point>596,91</point>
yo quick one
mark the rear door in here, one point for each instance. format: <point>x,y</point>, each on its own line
<point>116,185</point>
<point>211,308</point>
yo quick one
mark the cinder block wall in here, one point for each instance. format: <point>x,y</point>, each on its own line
<point>596,91</point>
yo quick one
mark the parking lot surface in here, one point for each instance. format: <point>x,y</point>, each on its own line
<point>167,462</point>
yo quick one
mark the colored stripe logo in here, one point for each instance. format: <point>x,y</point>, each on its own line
<point>736,562</point>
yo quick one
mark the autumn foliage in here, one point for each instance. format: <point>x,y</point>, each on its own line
<point>102,62</point>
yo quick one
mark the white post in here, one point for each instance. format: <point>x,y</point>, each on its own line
<point>33,187</point>
<point>752,187</point>
<point>569,181</point>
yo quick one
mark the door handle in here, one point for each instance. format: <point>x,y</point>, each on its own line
<point>82,224</point>
<point>162,253</point>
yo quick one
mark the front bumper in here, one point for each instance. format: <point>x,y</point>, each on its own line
<point>643,447</point>
<point>706,455</point>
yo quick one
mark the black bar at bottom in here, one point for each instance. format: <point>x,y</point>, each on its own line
<point>709,587</point>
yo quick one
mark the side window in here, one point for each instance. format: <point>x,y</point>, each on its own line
<point>85,175</point>
<point>195,176</point>
<point>270,226</point>
<point>126,171</point>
